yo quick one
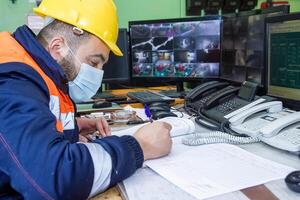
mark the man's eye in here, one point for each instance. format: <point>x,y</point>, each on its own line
<point>94,64</point>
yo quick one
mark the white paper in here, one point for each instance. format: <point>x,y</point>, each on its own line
<point>210,170</point>
<point>147,185</point>
<point>180,126</point>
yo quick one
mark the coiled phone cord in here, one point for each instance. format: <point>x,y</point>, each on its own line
<point>216,137</point>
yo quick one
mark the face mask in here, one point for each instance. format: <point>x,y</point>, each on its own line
<point>86,83</point>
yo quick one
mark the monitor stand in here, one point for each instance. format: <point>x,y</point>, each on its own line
<point>178,93</point>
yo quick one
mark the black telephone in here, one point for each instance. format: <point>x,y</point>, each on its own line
<point>212,101</point>
<point>223,105</point>
<point>196,98</point>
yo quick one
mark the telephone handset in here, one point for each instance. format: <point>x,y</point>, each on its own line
<point>273,106</point>
<point>204,89</point>
<point>220,97</point>
<point>275,127</point>
<point>195,99</point>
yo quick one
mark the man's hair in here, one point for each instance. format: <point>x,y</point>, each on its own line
<point>58,28</point>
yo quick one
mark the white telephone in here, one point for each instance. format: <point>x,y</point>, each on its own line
<point>272,125</point>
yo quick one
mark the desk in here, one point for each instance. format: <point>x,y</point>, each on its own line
<point>260,192</point>
<point>123,92</point>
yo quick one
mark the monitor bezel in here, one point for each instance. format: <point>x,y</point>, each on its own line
<point>290,103</point>
<point>172,20</point>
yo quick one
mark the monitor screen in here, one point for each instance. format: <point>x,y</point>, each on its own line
<point>176,49</point>
<point>243,46</point>
<point>283,63</point>
<point>116,70</point>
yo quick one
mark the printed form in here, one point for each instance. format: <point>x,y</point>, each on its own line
<point>210,170</point>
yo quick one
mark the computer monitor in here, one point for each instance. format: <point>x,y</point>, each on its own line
<point>116,70</point>
<point>175,49</point>
<point>243,45</point>
<point>283,61</point>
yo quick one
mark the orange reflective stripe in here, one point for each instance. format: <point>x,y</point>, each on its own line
<point>12,51</point>
<point>59,126</point>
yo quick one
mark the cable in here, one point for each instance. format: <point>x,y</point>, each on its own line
<point>216,137</point>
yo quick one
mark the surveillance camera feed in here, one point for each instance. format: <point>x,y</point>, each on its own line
<point>243,53</point>
<point>189,49</point>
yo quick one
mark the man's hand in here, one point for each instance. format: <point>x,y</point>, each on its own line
<point>87,126</point>
<point>154,139</point>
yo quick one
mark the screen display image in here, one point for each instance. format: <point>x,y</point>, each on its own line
<point>243,46</point>
<point>175,49</point>
<point>283,59</point>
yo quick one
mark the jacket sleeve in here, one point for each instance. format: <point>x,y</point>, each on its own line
<point>40,162</point>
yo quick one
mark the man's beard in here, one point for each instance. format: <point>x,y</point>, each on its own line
<point>68,65</point>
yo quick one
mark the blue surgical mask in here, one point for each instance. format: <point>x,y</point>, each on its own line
<point>86,83</point>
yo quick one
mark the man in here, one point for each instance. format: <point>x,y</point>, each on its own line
<point>40,156</point>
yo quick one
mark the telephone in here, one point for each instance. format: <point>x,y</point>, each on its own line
<point>195,99</point>
<point>225,104</point>
<point>270,123</point>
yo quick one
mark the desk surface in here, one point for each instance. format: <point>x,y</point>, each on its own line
<point>260,192</point>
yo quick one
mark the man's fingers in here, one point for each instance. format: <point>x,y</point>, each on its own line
<point>100,128</point>
<point>106,127</point>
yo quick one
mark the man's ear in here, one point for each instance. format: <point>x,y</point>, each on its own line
<point>57,48</point>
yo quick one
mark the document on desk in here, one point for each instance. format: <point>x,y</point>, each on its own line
<point>210,170</point>
<point>147,185</point>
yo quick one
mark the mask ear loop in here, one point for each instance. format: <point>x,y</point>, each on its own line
<point>72,52</point>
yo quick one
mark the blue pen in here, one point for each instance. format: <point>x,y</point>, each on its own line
<point>148,113</point>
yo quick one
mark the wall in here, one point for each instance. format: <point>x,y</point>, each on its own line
<point>130,10</point>
<point>14,15</point>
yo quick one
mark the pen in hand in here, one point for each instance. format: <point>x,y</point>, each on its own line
<point>148,113</point>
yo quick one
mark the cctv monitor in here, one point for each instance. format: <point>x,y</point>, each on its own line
<point>243,46</point>
<point>175,49</point>
<point>283,50</point>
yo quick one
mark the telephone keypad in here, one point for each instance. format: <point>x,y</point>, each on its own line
<point>228,106</point>
<point>290,136</point>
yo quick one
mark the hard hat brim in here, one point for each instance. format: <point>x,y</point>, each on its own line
<point>114,48</point>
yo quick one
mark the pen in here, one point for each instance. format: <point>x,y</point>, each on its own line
<point>148,113</point>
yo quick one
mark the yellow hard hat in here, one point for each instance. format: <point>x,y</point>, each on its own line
<point>98,17</point>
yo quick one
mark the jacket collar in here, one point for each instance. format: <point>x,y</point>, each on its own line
<point>27,39</point>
